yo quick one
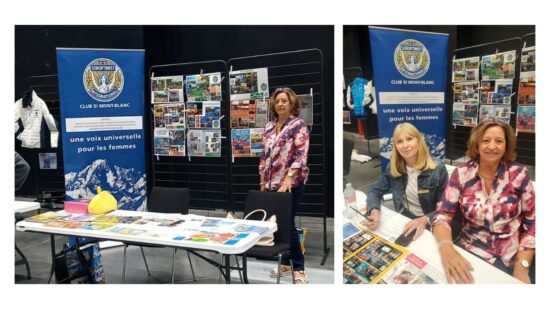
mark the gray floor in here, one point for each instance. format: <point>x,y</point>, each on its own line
<point>36,248</point>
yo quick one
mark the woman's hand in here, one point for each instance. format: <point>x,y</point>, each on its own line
<point>522,274</point>
<point>373,220</point>
<point>286,186</point>
<point>457,268</point>
<point>416,226</point>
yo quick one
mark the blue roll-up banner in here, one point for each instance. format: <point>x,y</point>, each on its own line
<point>102,107</point>
<point>410,70</point>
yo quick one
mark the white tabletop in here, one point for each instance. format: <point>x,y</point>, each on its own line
<point>23,206</point>
<point>425,247</point>
<point>166,236</point>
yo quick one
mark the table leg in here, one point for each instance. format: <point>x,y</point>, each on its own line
<point>245,273</point>
<point>227,268</point>
<point>25,261</point>
<point>52,246</point>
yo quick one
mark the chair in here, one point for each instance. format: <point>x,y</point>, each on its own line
<point>164,200</point>
<point>280,205</point>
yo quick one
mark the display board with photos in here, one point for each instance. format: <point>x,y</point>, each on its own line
<point>249,84</point>
<point>203,87</point>
<point>498,66</point>
<point>205,114</point>
<point>169,129</point>
<point>167,89</point>
<point>247,142</point>
<point>249,113</point>
<point>465,69</point>
<point>204,143</point>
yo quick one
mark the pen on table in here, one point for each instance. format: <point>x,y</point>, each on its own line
<point>176,223</point>
<point>362,215</point>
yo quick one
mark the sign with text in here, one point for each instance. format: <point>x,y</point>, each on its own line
<point>410,69</point>
<point>102,107</point>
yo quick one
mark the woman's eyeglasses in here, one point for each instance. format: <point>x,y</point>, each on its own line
<point>493,119</point>
<point>284,89</point>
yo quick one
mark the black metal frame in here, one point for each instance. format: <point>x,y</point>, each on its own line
<point>301,70</point>
<point>459,134</point>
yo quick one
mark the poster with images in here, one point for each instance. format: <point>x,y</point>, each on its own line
<point>498,66</point>
<point>503,92</point>
<point>166,89</point>
<point>169,131</point>
<point>167,142</point>
<point>203,114</point>
<point>248,113</point>
<point>526,90</point>
<point>47,161</point>
<point>249,84</point>
<point>497,112</point>
<point>465,69</point>
<point>526,119</point>
<point>496,91</point>
<point>347,117</point>
<point>203,87</point>
<point>247,142</point>
<point>528,59</point>
<point>306,108</point>
<point>465,114</point>
<point>204,143</point>
<point>170,116</point>
<point>466,92</point>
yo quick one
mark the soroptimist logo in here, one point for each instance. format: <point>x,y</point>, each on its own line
<point>411,59</point>
<point>103,79</point>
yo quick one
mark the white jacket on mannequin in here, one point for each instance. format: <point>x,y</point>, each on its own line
<point>31,117</point>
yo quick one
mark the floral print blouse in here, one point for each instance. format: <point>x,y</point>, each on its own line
<point>285,151</point>
<point>497,224</point>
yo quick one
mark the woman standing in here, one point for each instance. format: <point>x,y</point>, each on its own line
<point>497,198</point>
<point>415,179</point>
<point>283,165</point>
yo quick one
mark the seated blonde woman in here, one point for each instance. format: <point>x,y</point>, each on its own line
<point>415,179</point>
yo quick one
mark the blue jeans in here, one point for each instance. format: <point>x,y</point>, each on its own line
<point>295,248</point>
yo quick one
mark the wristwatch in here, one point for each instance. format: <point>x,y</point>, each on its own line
<point>523,263</point>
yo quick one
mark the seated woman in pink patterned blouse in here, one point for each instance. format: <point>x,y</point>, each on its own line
<point>497,198</point>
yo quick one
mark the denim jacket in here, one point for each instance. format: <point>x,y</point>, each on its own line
<point>431,185</point>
